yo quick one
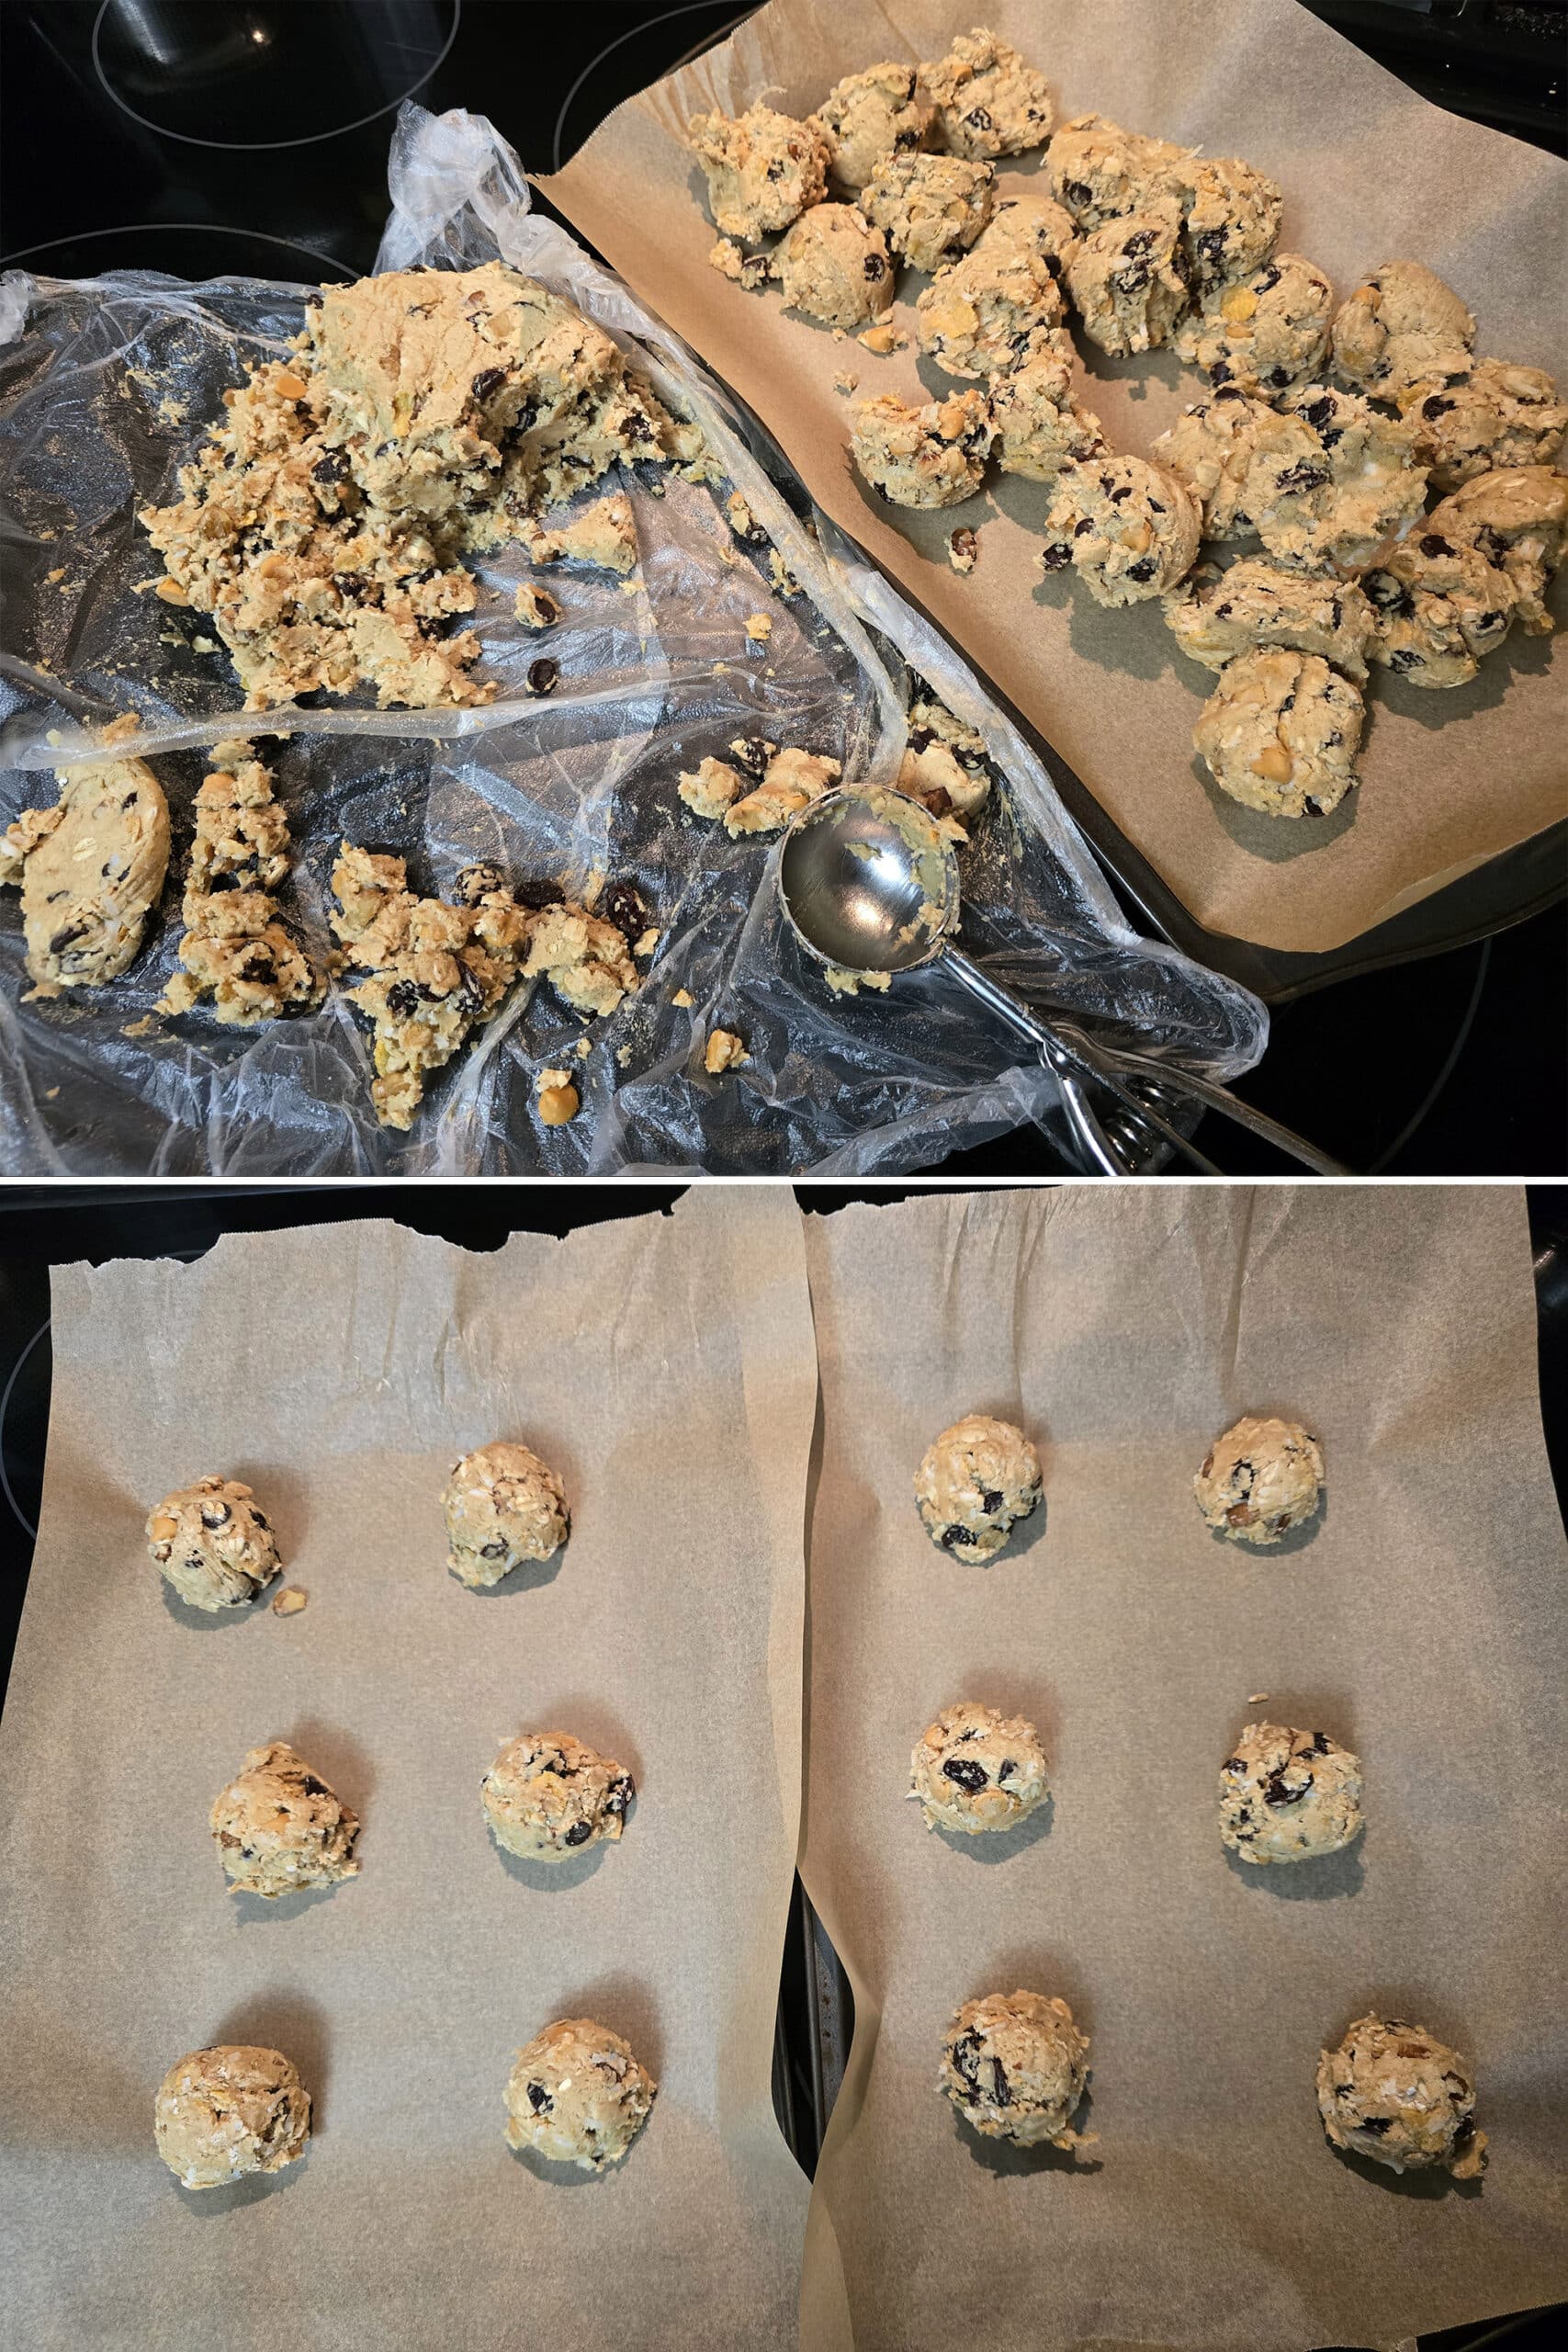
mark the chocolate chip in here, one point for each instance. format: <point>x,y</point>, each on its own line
<point>1320,1743</point>
<point>1221,372</point>
<point>1313,807</point>
<point>1375,2124</point>
<point>1489,621</point>
<point>1278,378</point>
<point>1080,527</point>
<point>1155,506</point>
<point>1277,1790</point>
<point>952,1538</point>
<point>619,1794</point>
<point>482,880</point>
<point>1302,477</point>
<point>1319,413</point>
<point>403,998</point>
<point>64,938</point>
<point>979,119</point>
<point>990,1501</point>
<point>1234,1764</point>
<point>580,1833</point>
<point>965,2056</point>
<point>1405,657</point>
<point>1130,280</point>
<point>1266,280</point>
<point>1054,558</point>
<point>1002,2094</point>
<point>622,906</point>
<point>1437,406</point>
<point>1005,1771</point>
<point>906,142</point>
<point>752,753</point>
<point>331,467</point>
<point>1289,702</point>
<point>544,676</point>
<point>1143,570</point>
<point>259,1520</point>
<point>539,2098</point>
<point>488,380</point>
<point>1433,544</point>
<point>315,1788</point>
<point>1140,242</point>
<point>967,1774</point>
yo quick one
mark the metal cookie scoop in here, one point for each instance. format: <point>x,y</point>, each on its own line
<point>869,884</point>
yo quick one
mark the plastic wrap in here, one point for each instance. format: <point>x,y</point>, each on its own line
<point>107,387</point>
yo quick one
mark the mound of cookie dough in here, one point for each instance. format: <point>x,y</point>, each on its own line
<point>235,950</point>
<point>989,101</point>
<point>502,1506</point>
<point>974,1482</point>
<point>1040,426</point>
<point>280,1828</point>
<point>1129,279</point>
<point>1288,1796</point>
<point>1232,219</point>
<point>1260,1479</point>
<point>761,790</point>
<point>834,266</point>
<point>1440,608</point>
<point>933,456</point>
<point>1518,518</point>
<point>1332,481</point>
<point>974,1770</point>
<point>945,765</point>
<point>1402,326</point>
<point>1015,2066</point>
<point>1393,2092</point>
<point>212,1543</point>
<point>90,870</point>
<point>221,2114</point>
<point>982,314</point>
<point>762,168</point>
<point>1497,416</point>
<point>1098,171</point>
<point>577,2094</point>
<point>1128,528</point>
<point>1212,447</point>
<point>1263,332</point>
<point>546,1796</point>
<point>870,115</point>
<point>930,208</point>
<point>1028,227</point>
<point>1280,731</point>
<point>1214,614</point>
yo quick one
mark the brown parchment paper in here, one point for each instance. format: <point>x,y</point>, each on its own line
<point>1419,1619</point>
<point>1369,171</point>
<point>665,1367</point>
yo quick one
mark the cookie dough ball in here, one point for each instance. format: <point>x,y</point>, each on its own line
<point>1212,447</point>
<point>577,2094</point>
<point>1332,481</point>
<point>1098,171</point>
<point>1129,279</point>
<point>1396,2093</point>
<point>1401,325</point>
<point>933,456</point>
<point>1518,518</point>
<point>1287,1796</point>
<point>1440,608</point>
<point>974,1481</point>
<point>546,1796</point>
<point>930,207</point>
<point>974,1770</point>
<point>1015,2066</point>
<point>834,266</point>
<point>1030,228</point>
<point>1129,529</point>
<point>279,1827</point>
<point>762,168</point>
<point>212,1544</point>
<point>981,314</point>
<point>1280,734</point>
<point>989,101</point>
<point>1215,616</point>
<point>870,115</point>
<point>1232,219</point>
<point>502,1506</point>
<point>1259,1480</point>
<point>1040,426</point>
<point>1263,333</point>
<point>221,2114</point>
<point>1497,416</point>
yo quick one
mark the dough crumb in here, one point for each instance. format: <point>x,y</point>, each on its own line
<point>725,1051</point>
<point>962,551</point>
<point>882,339</point>
<point>559,1099</point>
<point>749,271</point>
<point>845,983</point>
<point>845,384</point>
<point>760,627</point>
<point>289,1602</point>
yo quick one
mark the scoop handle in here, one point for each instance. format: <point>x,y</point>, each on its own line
<point>1100,1153</point>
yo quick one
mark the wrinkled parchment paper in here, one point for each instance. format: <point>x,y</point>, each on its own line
<point>665,1367</point>
<point>1369,171</point>
<point>1419,1619</point>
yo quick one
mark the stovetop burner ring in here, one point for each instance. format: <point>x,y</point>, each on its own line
<point>198,228</point>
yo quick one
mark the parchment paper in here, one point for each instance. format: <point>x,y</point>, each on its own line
<point>1419,1619</point>
<point>665,1367</point>
<point>1368,171</point>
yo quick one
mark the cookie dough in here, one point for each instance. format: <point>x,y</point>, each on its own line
<point>604,536</point>
<point>1264,332</point>
<point>974,1770</point>
<point>1212,447</point>
<point>834,266</point>
<point>584,959</point>
<point>1401,325</point>
<point>212,1543</point>
<point>90,870</point>
<point>279,1827</point>
<point>502,1506</point>
<point>1098,171</point>
<point>1518,518</point>
<point>989,102</point>
<point>1259,1480</point>
<point>1393,2092</point>
<point>1129,279</point>
<point>546,1796</point>
<point>235,950</point>
<point>945,765</point>
<point>711,788</point>
<point>1279,734</point>
<point>1215,616</point>
<point>1029,228</point>
<point>930,207</point>
<point>577,2094</point>
<point>1040,426</point>
<point>1332,481</point>
<point>1288,1796</point>
<point>983,314</point>
<point>1015,2066</point>
<point>1497,416</point>
<point>933,456</point>
<point>1232,219</point>
<point>221,2114</point>
<point>975,1481</point>
<point>1440,607</point>
<point>791,780</point>
<point>762,168</point>
<point>867,116</point>
<point>1128,528</point>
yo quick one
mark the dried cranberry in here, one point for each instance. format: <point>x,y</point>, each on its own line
<point>403,998</point>
<point>876,268</point>
<point>1278,1791</point>
<point>1077,192</point>
<point>967,1774</point>
<point>1302,477</point>
<point>1143,570</point>
<point>979,119</point>
<point>1433,544</point>
<point>332,466</point>
<point>1002,2093</point>
<point>1054,558</point>
<point>752,753</point>
<point>482,880</point>
<point>619,1794</point>
<point>1437,406</point>
<point>1319,413</point>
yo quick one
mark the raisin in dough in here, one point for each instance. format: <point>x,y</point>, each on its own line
<point>930,207</point>
<point>880,112</point>
<point>1215,616</point>
<point>1040,426</point>
<point>1232,219</point>
<point>1015,2066</point>
<point>1264,332</point>
<point>1393,2092</point>
<point>1497,416</point>
<point>762,168</point>
<point>547,1795</point>
<point>91,870</point>
<point>279,1827</point>
<point>1029,227</point>
<point>974,1770</point>
<point>1259,1480</point>
<point>1402,324</point>
<point>221,2114</point>
<point>1098,171</point>
<point>1288,1796</point>
<point>1128,528</point>
<point>982,314</point>
<point>989,102</point>
<point>212,1544</point>
<point>1518,518</point>
<point>1129,279</point>
<point>974,1482</point>
<point>833,266</point>
<point>577,2094</point>
<point>1440,607</point>
<point>502,1506</point>
<point>1212,447</point>
<point>1333,480</point>
<point>933,456</point>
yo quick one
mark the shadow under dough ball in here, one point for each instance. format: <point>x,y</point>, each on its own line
<point>502,1506</point>
<point>974,1482</point>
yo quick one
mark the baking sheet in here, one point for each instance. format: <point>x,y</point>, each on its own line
<point>1419,1619</point>
<point>1368,171</point>
<point>664,1366</point>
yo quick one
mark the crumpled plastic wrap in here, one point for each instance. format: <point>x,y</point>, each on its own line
<point>107,387</point>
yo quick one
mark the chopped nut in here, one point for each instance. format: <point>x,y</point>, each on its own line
<point>883,338</point>
<point>725,1051</point>
<point>760,627</point>
<point>171,592</point>
<point>1273,762</point>
<point>292,387</point>
<point>288,1602</point>
<point>558,1104</point>
<point>1239,303</point>
<point>646,945</point>
<point>683,997</point>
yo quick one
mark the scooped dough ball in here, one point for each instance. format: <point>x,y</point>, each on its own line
<point>221,2114</point>
<point>1498,416</point>
<point>279,1827</point>
<point>930,207</point>
<point>1098,171</point>
<point>1261,332</point>
<point>1402,324</point>
<point>834,266</point>
<point>577,2094</point>
<point>974,1481</point>
<point>1259,1479</point>
<point>990,102</point>
<point>1279,733</point>
<point>212,1543</point>
<point>1393,2092</point>
<point>1440,608</point>
<point>1014,2065</point>
<point>867,116</point>
<point>1518,518</point>
<point>1130,278</point>
<point>974,1770</point>
<point>1212,447</point>
<point>1128,528</point>
<point>931,456</point>
<point>1215,616</point>
<point>762,168</point>
<point>1233,219</point>
<point>546,1796</point>
<point>502,1506</point>
<point>1287,1796</point>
